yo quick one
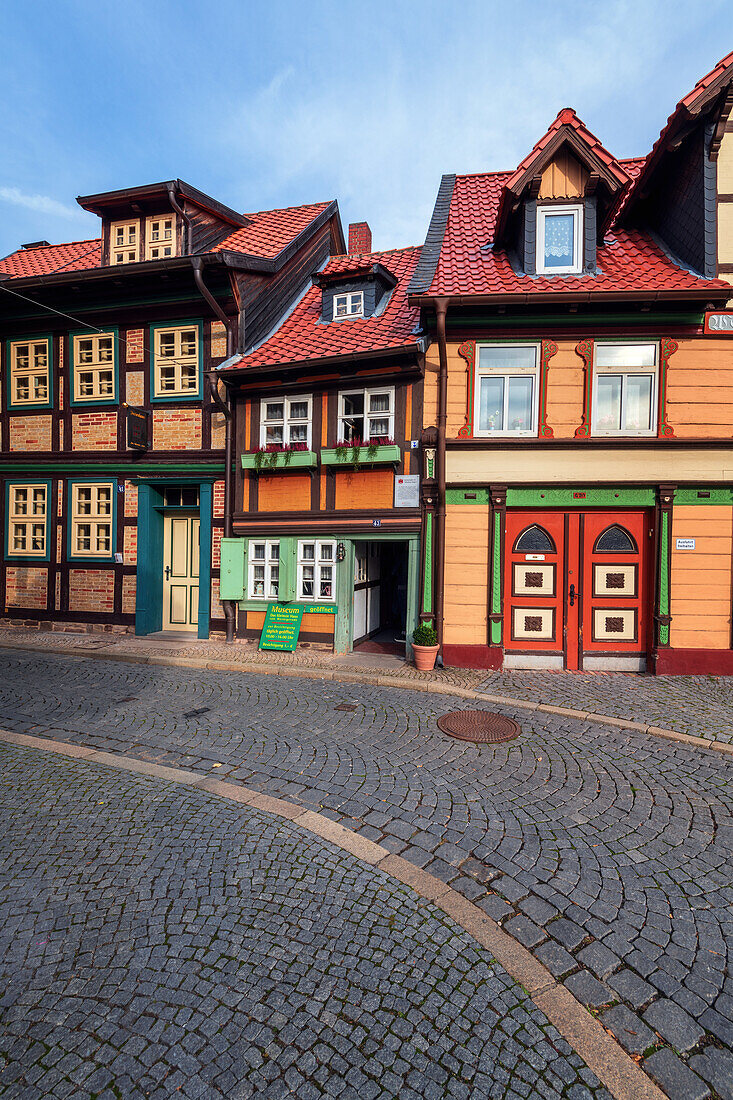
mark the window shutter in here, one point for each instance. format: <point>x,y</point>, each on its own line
<point>288,570</point>
<point>232,569</point>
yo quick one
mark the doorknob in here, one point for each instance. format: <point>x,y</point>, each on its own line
<point>572,594</point>
<point>167,572</point>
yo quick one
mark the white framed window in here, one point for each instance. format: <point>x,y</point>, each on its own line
<point>94,367</point>
<point>29,372</point>
<point>366,415</point>
<point>176,361</point>
<point>27,520</point>
<point>316,570</point>
<point>559,240</point>
<point>264,570</point>
<point>348,305</point>
<point>124,242</point>
<point>286,421</point>
<point>624,397</point>
<point>160,237</point>
<point>91,520</point>
<point>506,390</point>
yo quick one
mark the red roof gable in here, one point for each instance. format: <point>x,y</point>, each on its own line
<point>628,260</point>
<point>567,117</point>
<point>304,336</point>
<point>266,235</point>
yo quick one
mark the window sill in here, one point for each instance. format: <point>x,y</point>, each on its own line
<point>331,457</point>
<point>284,460</point>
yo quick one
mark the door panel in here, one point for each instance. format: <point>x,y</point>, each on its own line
<point>534,562</point>
<point>616,582</point>
<point>180,571</point>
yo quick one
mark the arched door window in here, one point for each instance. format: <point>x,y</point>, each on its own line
<point>534,540</point>
<point>615,540</point>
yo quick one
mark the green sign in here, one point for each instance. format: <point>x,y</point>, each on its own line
<point>281,627</point>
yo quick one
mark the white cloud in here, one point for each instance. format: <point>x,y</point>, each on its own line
<point>40,203</point>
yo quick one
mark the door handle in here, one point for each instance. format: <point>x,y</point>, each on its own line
<point>572,594</point>
<point>167,572</point>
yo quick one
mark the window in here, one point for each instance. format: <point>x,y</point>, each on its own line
<point>29,371</point>
<point>559,240</point>
<point>615,540</point>
<point>159,241</point>
<point>264,570</point>
<point>92,520</point>
<point>94,367</point>
<point>366,416</point>
<point>348,305</point>
<point>124,239</point>
<point>286,421</point>
<point>624,389</point>
<point>181,496</point>
<point>28,520</point>
<point>506,390</point>
<point>534,540</point>
<point>315,570</point>
<point>176,354</point>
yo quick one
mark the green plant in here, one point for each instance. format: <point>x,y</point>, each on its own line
<point>372,449</point>
<point>341,449</point>
<point>259,458</point>
<point>424,635</point>
<point>355,453</point>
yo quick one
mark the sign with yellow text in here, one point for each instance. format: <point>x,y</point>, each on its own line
<point>281,627</point>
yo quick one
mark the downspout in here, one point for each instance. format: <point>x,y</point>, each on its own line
<point>229,606</point>
<point>179,210</point>
<point>441,309</point>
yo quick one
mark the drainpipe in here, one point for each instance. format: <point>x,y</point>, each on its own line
<point>179,210</point>
<point>230,609</point>
<point>441,309</point>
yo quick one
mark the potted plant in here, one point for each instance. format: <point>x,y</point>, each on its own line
<point>424,646</point>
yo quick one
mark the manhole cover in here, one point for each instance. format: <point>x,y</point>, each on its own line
<point>479,725</point>
<point>345,706</point>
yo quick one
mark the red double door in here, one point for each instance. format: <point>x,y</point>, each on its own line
<point>576,589</point>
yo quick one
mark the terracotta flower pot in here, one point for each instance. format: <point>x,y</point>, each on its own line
<point>425,656</point>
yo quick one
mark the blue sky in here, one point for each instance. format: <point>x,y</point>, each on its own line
<point>276,103</point>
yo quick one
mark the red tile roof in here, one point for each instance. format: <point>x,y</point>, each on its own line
<point>304,336</point>
<point>627,260</point>
<point>267,234</point>
<point>567,117</point>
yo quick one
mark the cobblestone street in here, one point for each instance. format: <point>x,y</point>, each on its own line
<point>158,942</point>
<point>605,852</point>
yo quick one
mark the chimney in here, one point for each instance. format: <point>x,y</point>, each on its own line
<point>360,237</point>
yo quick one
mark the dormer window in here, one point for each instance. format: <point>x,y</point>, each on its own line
<point>559,240</point>
<point>159,240</point>
<point>124,239</point>
<point>348,305</point>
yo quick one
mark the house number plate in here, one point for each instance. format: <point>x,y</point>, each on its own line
<point>534,557</point>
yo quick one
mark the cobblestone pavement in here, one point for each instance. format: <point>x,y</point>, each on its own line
<point>605,852</point>
<point>700,705</point>
<point>160,942</point>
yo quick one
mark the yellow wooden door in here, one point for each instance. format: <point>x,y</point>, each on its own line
<point>181,572</point>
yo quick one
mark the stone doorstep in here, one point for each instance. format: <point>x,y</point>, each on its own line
<point>601,1053</point>
<point>381,679</point>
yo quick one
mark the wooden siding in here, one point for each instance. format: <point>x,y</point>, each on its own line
<point>372,489</point>
<point>466,574</point>
<point>564,178</point>
<point>284,492</point>
<point>701,578</point>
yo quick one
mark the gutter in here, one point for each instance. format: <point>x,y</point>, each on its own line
<point>179,210</point>
<point>692,294</point>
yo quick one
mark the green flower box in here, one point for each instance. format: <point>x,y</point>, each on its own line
<point>284,460</point>
<point>330,456</point>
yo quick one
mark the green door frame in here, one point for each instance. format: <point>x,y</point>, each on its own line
<point>149,592</point>
<point>343,639</point>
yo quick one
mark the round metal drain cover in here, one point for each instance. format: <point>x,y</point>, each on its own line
<point>482,726</point>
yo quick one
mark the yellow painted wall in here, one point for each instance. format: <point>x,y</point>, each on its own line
<point>701,578</point>
<point>466,574</point>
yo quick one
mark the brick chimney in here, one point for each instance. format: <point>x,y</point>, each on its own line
<point>360,237</point>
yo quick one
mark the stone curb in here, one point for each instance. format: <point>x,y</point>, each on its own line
<point>404,682</point>
<point>620,1074</point>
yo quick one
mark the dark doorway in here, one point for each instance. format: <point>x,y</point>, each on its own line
<point>380,597</point>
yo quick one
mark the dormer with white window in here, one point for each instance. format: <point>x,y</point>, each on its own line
<point>555,206</point>
<point>354,289</point>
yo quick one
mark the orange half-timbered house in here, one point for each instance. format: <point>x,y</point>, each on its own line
<point>580,393</point>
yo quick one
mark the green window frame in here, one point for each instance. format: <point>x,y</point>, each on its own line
<point>157,394</point>
<point>12,516</point>
<point>95,367</point>
<point>83,511</point>
<point>11,372</point>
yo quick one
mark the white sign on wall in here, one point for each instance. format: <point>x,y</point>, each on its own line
<point>407,491</point>
<point>685,544</point>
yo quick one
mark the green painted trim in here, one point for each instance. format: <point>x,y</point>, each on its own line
<point>308,608</point>
<point>119,468</point>
<point>427,596</point>
<point>329,456</point>
<point>21,408</point>
<point>177,398</point>
<point>84,559</point>
<point>205,517</point>
<point>716,496</point>
<point>296,460</point>
<point>496,580</point>
<point>413,593</point>
<point>28,559</point>
<point>149,591</point>
<point>592,498</point>
<point>92,402</point>
<point>664,577</point>
<point>459,496</point>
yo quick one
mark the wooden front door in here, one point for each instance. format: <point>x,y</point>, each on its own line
<point>576,589</point>
<point>367,590</point>
<point>180,572</point>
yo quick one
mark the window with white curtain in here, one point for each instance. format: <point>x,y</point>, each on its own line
<point>625,389</point>
<point>559,240</point>
<point>506,389</point>
<point>316,562</point>
<point>264,570</point>
<point>286,421</point>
